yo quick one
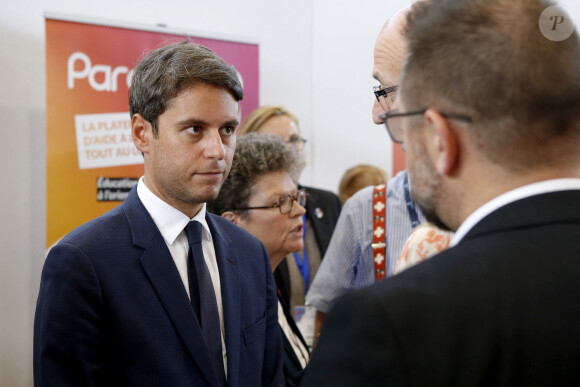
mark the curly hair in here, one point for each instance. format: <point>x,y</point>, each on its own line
<point>255,156</point>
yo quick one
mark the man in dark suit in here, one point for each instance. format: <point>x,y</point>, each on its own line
<point>489,113</point>
<point>157,292</point>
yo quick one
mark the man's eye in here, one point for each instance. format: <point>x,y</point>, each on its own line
<point>194,129</point>
<point>229,130</point>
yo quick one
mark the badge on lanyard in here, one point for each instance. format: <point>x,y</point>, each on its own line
<point>305,320</point>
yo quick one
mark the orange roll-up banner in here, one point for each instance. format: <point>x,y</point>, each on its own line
<point>91,160</point>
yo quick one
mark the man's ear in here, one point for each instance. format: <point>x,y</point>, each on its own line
<point>445,142</point>
<point>231,216</point>
<point>141,132</point>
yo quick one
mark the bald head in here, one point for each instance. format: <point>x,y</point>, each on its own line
<point>389,54</point>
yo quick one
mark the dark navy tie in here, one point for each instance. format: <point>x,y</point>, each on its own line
<point>203,298</point>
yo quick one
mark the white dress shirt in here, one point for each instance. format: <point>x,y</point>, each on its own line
<point>523,192</point>
<point>171,224</point>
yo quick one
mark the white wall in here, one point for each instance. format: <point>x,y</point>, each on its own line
<point>343,133</point>
<point>315,58</point>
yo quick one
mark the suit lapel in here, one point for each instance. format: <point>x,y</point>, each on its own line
<point>163,275</point>
<point>231,295</point>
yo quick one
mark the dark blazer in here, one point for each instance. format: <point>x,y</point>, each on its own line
<point>322,210</point>
<point>502,308</point>
<point>291,365</point>
<point>113,310</point>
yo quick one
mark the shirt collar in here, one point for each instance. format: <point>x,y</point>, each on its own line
<point>168,219</point>
<point>510,197</point>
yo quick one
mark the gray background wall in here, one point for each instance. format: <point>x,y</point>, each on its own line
<point>315,58</point>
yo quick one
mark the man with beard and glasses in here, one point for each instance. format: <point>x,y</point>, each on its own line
<point>158,292</point>
<point>489,111</point>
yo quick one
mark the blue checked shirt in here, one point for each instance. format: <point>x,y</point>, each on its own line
<point>348,262</point>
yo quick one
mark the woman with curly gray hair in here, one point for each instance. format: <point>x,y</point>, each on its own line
<point>261,195</point>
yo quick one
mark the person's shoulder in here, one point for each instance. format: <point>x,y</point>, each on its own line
<point>398,180</point>
<point>321,195</point>
<point>97,237</point>
<point>361,197</point>
<point>414,288</point>
<point>102,225</point>
<point>318,191</point>
<point>439,276</point>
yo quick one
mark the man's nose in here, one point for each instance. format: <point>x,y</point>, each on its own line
<point>377,111</point>
<point>214,147</point>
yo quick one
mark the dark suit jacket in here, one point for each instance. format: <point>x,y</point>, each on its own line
<point>322,210</point>
<point>502,308</point>
<point>113,310</point>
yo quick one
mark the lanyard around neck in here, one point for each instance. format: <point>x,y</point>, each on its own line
<point>411,207</point>
<point>302,264</point>
<point>379,241</point>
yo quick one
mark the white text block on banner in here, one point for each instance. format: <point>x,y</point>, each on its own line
<point>104,140</point>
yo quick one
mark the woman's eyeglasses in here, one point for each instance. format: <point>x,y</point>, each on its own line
<point>284,204</point>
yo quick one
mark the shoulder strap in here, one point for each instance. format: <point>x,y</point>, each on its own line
<point>379,244</point>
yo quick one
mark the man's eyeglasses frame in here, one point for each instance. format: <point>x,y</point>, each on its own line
<point>388,94</point>
<point>395,114</point>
